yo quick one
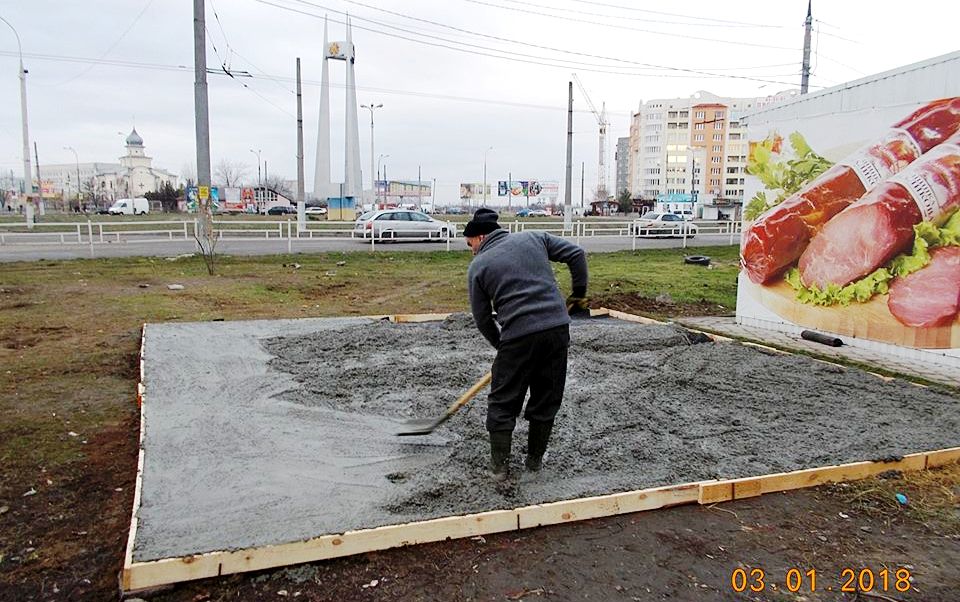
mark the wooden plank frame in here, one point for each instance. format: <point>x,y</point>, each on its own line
<point>137,576</point>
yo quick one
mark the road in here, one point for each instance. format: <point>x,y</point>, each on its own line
<point>167,248</point>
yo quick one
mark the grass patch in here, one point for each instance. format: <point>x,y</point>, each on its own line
<point>933,498</point>
<point>662,271</point>
<point>71,329</point>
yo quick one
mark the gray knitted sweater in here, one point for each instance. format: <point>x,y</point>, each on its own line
<point>512,276</point>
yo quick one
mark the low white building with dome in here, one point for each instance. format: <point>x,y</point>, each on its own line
<point>134,177</point>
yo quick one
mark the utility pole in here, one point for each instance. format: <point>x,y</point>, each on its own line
<point>77,157</point>
<point>257,153</point>
<point>39,181</point>
<point>301,208</point>
<point>582,207</point>
<point>419,192</point>
<point>27,180</point>
<point>567,218</point>
<point>807,26</point>
<point>373,175</point>
<point>509,190</point>
<point>485,175</point>
<point>202,126</point>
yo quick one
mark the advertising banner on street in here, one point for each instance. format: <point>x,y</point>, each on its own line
<point>211,194</point>
<point>852,216</point>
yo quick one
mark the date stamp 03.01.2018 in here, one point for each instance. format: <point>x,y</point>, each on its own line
<point>796,580</point>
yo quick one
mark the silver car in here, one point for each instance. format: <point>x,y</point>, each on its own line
<point>393,224</point>
<point>663,224</point>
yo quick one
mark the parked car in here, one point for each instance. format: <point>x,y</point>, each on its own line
<point>281,210</point>
<point>389,224</point>
<point>663,224</point>
<point>526,212</point>
<point>454,211</point>
<point>315,211</point>
<point>137,206</point>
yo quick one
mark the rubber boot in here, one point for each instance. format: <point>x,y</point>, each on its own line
<point>537,440</point>
<point>500,442</point>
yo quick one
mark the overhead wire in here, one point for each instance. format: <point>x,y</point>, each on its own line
<point>657,12</point>
<point>510,58</point>
<point>635,29</point>
<point>109,48</point>
<point>307,82</point>
<point>228,72</point>
<point>227,69</point>
<point>644,19</point>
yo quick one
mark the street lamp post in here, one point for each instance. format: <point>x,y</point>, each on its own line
<point>258,194</point>
<point>77,157</point>
<point>485,175</point>
<point>378,175</point>
<point>129,173</point>
<point>373,182</point>
<point>257,153</point>
<point>27,179</point>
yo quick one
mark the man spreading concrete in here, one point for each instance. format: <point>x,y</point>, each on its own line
<point>520,311</point>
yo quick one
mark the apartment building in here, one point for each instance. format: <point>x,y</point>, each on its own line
<point>623,166</point>
<point>692,150</point>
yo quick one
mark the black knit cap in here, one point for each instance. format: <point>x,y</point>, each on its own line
<point>484,222</point>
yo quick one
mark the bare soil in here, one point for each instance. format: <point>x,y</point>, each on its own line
<point>68,452</point>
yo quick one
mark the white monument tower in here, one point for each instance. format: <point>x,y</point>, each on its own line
<point>342,199</point>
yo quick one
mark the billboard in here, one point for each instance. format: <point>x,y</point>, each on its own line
<point>524,188</point>
<point>238,200</point>
<point>194,194</point>
<point>852,224</point>
<point>470,191</point>
<point>541,192</point>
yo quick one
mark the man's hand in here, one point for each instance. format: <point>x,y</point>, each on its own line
<point>577,305</point>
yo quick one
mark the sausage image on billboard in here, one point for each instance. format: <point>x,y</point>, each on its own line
<point>777,239</point>
<point>870,247</point>
<point>880,225</point>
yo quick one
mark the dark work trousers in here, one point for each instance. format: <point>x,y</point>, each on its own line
<point>537,362</point>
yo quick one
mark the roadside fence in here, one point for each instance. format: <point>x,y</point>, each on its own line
<point>93,233</point>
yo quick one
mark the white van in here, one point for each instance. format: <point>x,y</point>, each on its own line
<point>137,206</point>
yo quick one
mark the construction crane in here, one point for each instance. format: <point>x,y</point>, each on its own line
<point>601,194</point>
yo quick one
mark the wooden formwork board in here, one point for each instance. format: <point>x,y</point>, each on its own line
<point>144,575</point>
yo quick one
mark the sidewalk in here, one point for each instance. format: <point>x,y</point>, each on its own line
<point>728,326</point>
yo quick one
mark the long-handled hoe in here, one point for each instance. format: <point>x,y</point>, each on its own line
<point>425,426</point>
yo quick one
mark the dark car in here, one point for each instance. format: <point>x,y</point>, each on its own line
<point>281,210</point>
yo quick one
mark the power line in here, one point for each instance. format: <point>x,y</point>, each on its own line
<point>614,26</point>
<point>510,58</point>
<point>833,35</point>
<point>728,24</point>
<point>233,75</point>
<point>189,70</point>
<point>512,55</point>
<point>657,12</point>
<point>109,48</point>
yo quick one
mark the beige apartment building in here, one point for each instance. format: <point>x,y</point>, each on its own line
<point>691,153</point>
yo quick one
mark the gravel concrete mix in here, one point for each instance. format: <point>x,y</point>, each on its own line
<point>269,432</point>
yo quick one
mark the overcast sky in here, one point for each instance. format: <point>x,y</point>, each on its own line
<point>455,76</point>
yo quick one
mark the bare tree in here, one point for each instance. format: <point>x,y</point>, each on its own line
<point>189,174</point>
<point>230,173</point>
<point>280,184</point>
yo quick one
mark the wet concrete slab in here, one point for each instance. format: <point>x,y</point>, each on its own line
<point>268,432</point>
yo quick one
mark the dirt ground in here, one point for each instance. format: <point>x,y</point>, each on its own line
<point>68,466</point>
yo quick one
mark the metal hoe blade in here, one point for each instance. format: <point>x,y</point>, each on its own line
<point>425,426</point>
